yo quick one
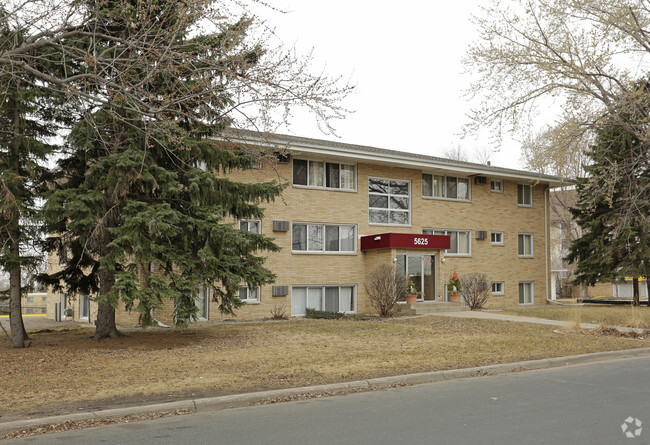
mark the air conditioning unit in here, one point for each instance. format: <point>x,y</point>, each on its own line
<point>480,180</point>
<point>280,291</point>
<point>280,226</point>
<point>481,234</point>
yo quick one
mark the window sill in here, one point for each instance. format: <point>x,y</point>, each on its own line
<point>526,257</point>
<point>330,189</point>
<point>497,244</point>
<point>389,225</point>
<point>530,206</point>
<point>250,302</point>
<point>458,255</point>
<point>438,198</point>
<point>302,252</point>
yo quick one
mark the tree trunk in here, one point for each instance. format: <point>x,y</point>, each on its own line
<point>635,287</point>
<point>18,333</point>
<point>105,322</point>
<point>647,287</point>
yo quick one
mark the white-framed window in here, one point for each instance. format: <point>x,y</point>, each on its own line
<point>460,240</point>
<point>449,187</point>
<point>524,195</point>
<point>498,288</point>
<point>84,306</point>
<point>249,294</point>
<point>251,225</point>
<point>323,298</point>
<point>496,238</point>
<point>496,186</point>
<point>30,299</point>
<point>389,201</point>
<point>525,244</point>
<point>322,174</point>
<point>526,292</point>
<point>202,302</point>
<point>323,238</point>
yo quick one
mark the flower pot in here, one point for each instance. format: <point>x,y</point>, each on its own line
<point>411,298</point>
<point>454,297</point>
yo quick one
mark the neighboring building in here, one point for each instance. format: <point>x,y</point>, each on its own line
<point>350,208</point>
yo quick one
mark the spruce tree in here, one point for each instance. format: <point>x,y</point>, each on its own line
<point>142,210</point>
<point>27,121</point>
<point>613,209</point>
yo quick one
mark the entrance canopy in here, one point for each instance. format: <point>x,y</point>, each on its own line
<point>404,241</point>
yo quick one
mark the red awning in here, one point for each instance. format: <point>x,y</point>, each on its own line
<point>404,241</point>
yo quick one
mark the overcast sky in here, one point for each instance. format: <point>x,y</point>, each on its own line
<point>405,59</point>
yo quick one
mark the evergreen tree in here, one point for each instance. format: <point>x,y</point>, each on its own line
<point>26,122</point>
<point>142,211</point>
<point>613,208</point>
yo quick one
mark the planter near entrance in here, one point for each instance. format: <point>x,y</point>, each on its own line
<point>454,297</point>
<point>411,298</point>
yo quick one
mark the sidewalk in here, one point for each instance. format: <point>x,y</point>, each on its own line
<point>487,315</point>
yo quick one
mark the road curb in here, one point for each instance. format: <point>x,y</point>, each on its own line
<point>246,399</point>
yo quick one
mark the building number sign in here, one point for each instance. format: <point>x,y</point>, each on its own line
<point>421,241</point>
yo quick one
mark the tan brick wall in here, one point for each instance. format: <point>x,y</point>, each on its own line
<point>486,211</point>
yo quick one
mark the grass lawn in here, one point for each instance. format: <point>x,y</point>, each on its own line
<point>636,317</point>
<point>64,371</point>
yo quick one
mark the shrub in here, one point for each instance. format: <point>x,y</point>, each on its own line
<point>279,312</point>
<point>476,289</point>
<point>385,287</point>
<point>315,313</point>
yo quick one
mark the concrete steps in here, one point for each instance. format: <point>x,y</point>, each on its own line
<point>423,308</point>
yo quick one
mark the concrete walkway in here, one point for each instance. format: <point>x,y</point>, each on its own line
<point>491,315</point>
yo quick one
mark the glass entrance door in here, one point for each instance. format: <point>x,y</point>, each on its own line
<point>422,271</point>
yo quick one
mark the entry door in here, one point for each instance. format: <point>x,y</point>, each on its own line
<point>421,270</point>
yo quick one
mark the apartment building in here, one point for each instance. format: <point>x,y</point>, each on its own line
<point>349,208</point>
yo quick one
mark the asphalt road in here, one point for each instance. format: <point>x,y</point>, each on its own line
<point>586,404</point>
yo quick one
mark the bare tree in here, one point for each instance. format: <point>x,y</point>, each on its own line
<point>89,52</point>
<point>476,289</point>
<point>580,58</point>
<point>455,153</point>
<point>385,286</point>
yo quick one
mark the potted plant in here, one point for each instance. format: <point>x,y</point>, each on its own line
<point>411,291</point>
<point>453,288</point>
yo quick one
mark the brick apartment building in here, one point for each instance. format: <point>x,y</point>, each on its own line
<point>350,208</point>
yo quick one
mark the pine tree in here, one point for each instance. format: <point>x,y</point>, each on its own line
<point>26,122</point>
<point>613,209</point>
<point>142,211</point>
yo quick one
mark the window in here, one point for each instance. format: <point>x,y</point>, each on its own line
<point>84,306</point>
<point>497,238</point>
<point>496,186</point>
<point>498,288</point>
<point>30,299</point>
<point>322,298</point>
<point>249,294</point>
<point>323,174</point>
<point>449,187</point>
<point>524,195</point>
<point>526,293</point>
<point>43,299</point>
<point>389,201</point>
<point>525,244</point>
<point>460,240</point>
<point>251,225</point>
<point>324,238</point>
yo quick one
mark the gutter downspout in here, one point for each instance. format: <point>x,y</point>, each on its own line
<point>546,244</point>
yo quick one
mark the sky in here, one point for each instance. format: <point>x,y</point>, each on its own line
<point>405,59</point>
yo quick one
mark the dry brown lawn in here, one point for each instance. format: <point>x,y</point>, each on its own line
<point>63,371</point>
<point>635,317</point>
